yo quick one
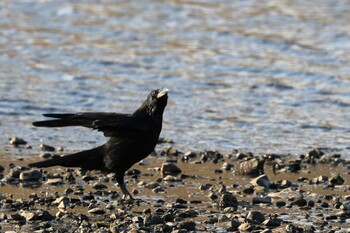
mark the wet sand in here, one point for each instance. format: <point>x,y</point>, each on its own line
<point>186,201</point>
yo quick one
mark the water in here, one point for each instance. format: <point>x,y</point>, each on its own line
<point>264,76</point>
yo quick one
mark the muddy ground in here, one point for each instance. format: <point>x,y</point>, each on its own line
<point>212,193</point>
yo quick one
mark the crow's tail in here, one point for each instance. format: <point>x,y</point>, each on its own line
<point>87,160</point>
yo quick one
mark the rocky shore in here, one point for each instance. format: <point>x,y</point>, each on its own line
<point>175,191</point>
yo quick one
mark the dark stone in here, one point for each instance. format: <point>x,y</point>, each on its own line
<point>253,166</point>
<point>336,180</point>
<point>153,219</point>
<point>17,141</point>
<point>228,200</point>
<point>48,148</point>
<point>170,168</point>
<point>188,225</point>
<point>256,216</point>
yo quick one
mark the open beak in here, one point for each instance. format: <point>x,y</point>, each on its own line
<point>162,92</point>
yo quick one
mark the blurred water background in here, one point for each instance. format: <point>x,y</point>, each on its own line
<point>264,76</point>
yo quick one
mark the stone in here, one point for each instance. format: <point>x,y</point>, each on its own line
<point>99,186</point>
<point>17,141</point>
<point>253,166</point>
<point>187,225</point>
<point>44,147</point>
<point>54,181</point>
<point>336,180</point>
<point>228,200</point>
<point>256,216</point>
<point>153,219</point>
<point>96,211</point>
<point>172,151</point>
<point>31,175</point>
<point>261,200</point>
<point>170,168</point>
<point>246,227</point>
<point>272,222</point>
<point>262,180</point>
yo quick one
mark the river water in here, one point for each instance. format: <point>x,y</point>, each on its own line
<point>264,76</point>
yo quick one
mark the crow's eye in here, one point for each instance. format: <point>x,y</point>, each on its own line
<point>154,94</point>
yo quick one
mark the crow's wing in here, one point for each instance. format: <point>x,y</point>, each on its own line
<point>108,123</point>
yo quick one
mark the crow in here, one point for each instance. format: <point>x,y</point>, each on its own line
<point>132,137</point>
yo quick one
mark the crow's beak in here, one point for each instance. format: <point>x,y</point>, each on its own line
<point>162,92</point>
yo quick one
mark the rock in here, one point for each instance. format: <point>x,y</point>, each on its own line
<point>262,180</point>
<point>45,155</point>
<point>290,166</point>
<point>190,155</point>
<point>286,184</point>
<point>246,227</point>
<point>213,196</point>
<point>299,202</point>
<point>17,217</point>
<point>99,186</point>
<point>54,181</point>
<point>60,199</point>
<point>253,166</point>
<point>29,216</point>
<point>205,187</point>
<point>17,141</point>
<point>320,179</point>
<point>170,178</point>
<point>165,140</point>
<point>153,219</point>
<point>187,225</point>
<point>241,156</point>
<point>286,195</point>
<point>96,211</point>
<point>31,175</point>
<point>314,154</point>
<point>261,200</point>
<point>171,151</point>
<point>345,206</point>
<point>170,168</point>
<point>272,222</point>
<point>256,216</point>
<point>159,190</point>
<point>230,225</point>
<point>227,167</point>
<point>228,200</point>
<point>44,147</point>
<point>336,180</point>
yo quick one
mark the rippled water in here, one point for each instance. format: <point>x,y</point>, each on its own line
<point>266,76</point>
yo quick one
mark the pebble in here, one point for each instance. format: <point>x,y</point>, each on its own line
<point>54,181</point>
<point>153,219</point>
<point>31,175</point>
<point>170,168</point>
<point>256,216</point>
<point>262,180</point>
<point>48,148</point>
<point>45,155</point>
<point>17,141</point>
<point>99,186</point>
<point>187,225</point>
<point>336,180</point>
<point>228,200</point>
<point>97,211</point>
<point>253,166</point>
<point>246,227</point>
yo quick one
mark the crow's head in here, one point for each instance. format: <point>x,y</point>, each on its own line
<point>155,102</point>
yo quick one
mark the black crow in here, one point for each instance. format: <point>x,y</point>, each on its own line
<point>132,137</point>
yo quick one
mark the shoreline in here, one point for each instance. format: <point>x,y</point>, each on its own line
<point>305,194</point>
